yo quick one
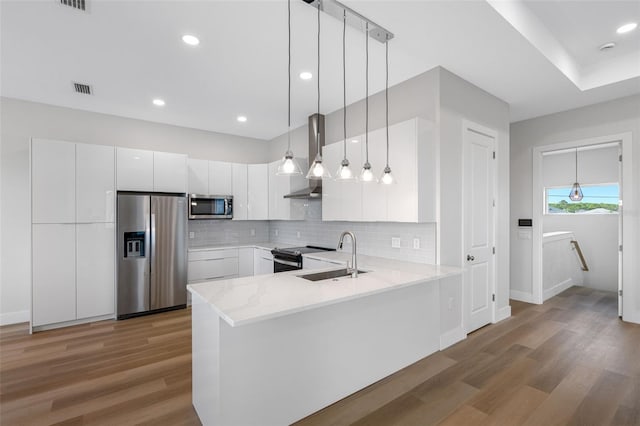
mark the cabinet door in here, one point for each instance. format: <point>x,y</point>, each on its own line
<point>258,192</point>
<point>53,273</point>
<point>134,169</point>
<point>95,263</point>
<point>95,183</point>
<point>262,262</point>
<point>239,179</point>
<point>53,181</point>
<point>374,195</point>
<point>402,196</point>
<point>331,188</point>
<point>277,184</point>
<point>198,176</point>
<point>245,262</point>
<point>220,178</point>
<point>169,172</point>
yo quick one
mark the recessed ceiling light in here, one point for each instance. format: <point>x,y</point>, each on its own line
<point>191,40</point>
<point>354,141</point>
<point>608,46</point>
<point>241,118</point>
<point>158,102</point>
<point>306,75</point>
<point>627,27</point>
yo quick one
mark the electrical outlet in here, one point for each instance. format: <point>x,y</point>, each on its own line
<point>395,242</point>
<point>416,243</point>
<point>192,235</point>
<point>298,234</point>
<point>253,232</point>
<point>275,232</point>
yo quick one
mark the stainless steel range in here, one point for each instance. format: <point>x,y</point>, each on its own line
<point>290,259</point>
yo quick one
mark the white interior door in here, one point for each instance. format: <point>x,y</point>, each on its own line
<point>478,226</point>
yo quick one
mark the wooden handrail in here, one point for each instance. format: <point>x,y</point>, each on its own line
<point>580,255</point>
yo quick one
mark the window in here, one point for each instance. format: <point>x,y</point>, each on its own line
<point>598,199</point>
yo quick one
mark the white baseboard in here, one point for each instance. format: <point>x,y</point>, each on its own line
<point>557,289</point>
<point>14,317</point>
<point>452,337</point>
<point>503,313</point>
<point>521,296</point>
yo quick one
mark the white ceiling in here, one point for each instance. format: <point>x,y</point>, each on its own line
<point>131,52</point>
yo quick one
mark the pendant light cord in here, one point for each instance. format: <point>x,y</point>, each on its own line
<point>344,83</point>
<point>289,78</point>
<point>318,129</point>
<point>366,121</point>
<point>386,93</point>
<point>576,165</point>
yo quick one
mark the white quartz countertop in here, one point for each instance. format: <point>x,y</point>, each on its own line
<point>248,300</point>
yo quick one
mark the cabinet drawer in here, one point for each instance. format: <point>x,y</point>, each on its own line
<point>212,268</point>
<point>212,254</point>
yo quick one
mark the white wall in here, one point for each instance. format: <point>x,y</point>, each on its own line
<point>22,120</point>
<point>599,120</point>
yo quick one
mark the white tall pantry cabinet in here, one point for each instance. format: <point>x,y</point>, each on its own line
<point>73,231</point>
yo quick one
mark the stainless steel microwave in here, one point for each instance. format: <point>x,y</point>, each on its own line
<point>210,206</point>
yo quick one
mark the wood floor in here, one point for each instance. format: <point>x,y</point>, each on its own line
<point>569,361</point>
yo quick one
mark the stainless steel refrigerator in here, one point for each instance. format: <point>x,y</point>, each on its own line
<point>152,253</point>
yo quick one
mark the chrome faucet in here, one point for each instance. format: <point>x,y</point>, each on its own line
<point>354,258</point>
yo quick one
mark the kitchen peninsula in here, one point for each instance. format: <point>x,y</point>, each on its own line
<point>272,349</point>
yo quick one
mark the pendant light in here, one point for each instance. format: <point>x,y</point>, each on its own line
<point>344,171</point>
<point>289,165</point>
<point>317,170</point>
<point>366,174</point>
<point>387,178</point>
<point>576,191</point>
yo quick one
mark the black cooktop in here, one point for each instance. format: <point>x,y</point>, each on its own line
<point>297,251</point>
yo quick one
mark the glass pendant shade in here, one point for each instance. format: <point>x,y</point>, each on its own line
<point>366,174</point>
<point>387,178</point>
<point>289,165</point>
<point>576,192</point>
<point>317,170</point>
<point>344,171</point>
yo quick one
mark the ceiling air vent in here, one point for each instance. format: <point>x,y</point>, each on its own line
<point>76,4</point>
<point>85,89</point>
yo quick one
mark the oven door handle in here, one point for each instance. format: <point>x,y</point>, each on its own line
<point>287,262</point>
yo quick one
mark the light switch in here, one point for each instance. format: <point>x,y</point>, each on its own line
<point>192,235</point>
<point>416,243</point>
<point>395,242</point>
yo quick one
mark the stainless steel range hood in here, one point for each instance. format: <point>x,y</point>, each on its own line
<point>314,190</point>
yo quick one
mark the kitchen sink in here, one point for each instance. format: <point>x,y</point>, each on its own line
<point>319,276</point>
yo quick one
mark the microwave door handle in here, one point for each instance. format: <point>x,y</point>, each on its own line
<point>226,206</point>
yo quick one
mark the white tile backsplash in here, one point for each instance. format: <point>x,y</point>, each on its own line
<point>373,238</point>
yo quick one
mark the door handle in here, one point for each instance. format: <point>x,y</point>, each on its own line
<point>470,258</point>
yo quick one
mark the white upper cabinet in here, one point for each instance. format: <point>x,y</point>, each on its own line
<point>412,157</point>
<point>239,179</point>
<point>374,195</point>
<point>95,183</point>
<point>134,169</point>
<point>220,178</point>
<point>342,199</point>
<point>95,265</point>
<point>281,208</point>
<point>198,176</point>
<point>53,194</point>
<point>258,191</point>
<point>169,172</point>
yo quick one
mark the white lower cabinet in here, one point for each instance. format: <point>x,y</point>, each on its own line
<point>73,272</point>
<point>95,264</point>
<point>245,261</point>
<point>212,264</point>
<point>262,262</point>
<point>53,273</point>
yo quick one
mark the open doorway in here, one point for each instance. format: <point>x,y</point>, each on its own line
<point>578,242</point>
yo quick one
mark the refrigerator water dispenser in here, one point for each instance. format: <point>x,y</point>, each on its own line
<point>134,244</point>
